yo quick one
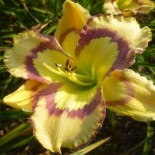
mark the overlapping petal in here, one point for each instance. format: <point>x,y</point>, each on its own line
<point>128,7</point>
<point>126,28</point>
<point>69,27</point>
<point>104,44</point>
<point>128,93</point>
<point>67,116</point>
<point>23,97</point>
<point>27,47</point>
<point>97,55</point>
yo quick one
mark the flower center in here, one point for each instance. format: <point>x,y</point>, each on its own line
<point>69,72</point>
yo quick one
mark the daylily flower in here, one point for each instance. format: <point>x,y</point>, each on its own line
<point>75,74</point>
<point>128,7</point>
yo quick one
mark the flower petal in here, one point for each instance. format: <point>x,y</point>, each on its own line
<point>108,42</point>
<point>128,93</point>
<point>23,97</point>
<point>145,6</point>
<point>71,116</point>
<point>97,54</point>
<point>126,28</point>
<point>69,27</point>
<point>50,64</point>
<point>128,7</point>
<point>27,45</point>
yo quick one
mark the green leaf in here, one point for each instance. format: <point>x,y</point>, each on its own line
<point>90,147</point>
<point>148,141</point>
<point>14,133</point>
<point>13,114</point>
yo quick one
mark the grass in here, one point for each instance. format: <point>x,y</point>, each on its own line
<point>128,137</point>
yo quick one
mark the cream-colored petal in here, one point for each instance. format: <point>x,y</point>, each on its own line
<point>27,48</point>
<point>67,116</point>
<point>128,7</point>
<point>128,93</point>
<point>126,28</point>
<point>107,43</point>
<point>23,97</point>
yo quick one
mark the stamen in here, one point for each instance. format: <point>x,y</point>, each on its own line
<point>76,78</point>
<point>59,72</point>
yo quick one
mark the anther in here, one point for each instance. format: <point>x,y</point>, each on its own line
<point>58,65</point>
<point>70,67</point>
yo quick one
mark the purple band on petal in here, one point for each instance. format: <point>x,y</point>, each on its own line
<point>47,42</point>
<point>125,56</point>
<point>49,95</point>
<point>87,109</point>
<point>97,104</point>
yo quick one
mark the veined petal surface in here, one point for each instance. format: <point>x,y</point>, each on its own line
<point>126,28</point>
<point>96,54</point>
<point>69,27</point>
<point>23,97</point>
<point>107,43</point>
<point>71,116</point>
<point>128,93</point>
<point>27,47</point>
